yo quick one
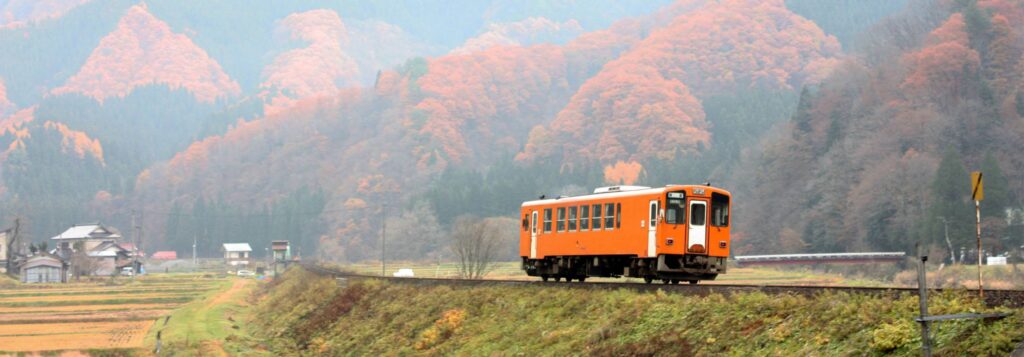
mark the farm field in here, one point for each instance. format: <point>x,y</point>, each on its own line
<point>98,315</point>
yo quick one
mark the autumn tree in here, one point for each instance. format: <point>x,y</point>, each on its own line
<point>477,243</point>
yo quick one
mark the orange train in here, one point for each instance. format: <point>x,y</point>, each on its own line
<point>673,233</point>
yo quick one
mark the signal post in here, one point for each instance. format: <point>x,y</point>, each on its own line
<point>978,194</point>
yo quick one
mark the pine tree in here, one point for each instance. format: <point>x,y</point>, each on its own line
<point>950,192</point>
<point>997,189</point>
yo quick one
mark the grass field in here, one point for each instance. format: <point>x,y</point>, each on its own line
<point>102,315</point>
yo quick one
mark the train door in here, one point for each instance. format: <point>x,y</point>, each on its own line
<point>533,235</point>
<point>652,229</point>
<point>698,233</point>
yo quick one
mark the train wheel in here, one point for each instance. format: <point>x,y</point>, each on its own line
<point>675,281</point>
<point>665,281</point>
<point>648,279</point>
<point>558,278</point>
<point>693,282</point>
<point>544,278</point>
<point>583,278</point>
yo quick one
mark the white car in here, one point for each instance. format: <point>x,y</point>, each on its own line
<point>246,273</point>
<point>403,273</point>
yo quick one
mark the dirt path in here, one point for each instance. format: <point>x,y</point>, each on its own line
<point>227,295</point>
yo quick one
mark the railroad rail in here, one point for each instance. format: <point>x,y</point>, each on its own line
<point>1008,298</point>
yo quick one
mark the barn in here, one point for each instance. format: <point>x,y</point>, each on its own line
<point>42,269</point>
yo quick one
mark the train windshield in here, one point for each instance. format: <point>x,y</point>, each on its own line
<point>719,210</point>
<point>675,208</point>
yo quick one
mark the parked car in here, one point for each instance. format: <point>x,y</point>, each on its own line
<point>127,271</point>
<point>246,273</point>
<point>403,273</point>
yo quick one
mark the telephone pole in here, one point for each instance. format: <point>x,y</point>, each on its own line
<point>383,239</point>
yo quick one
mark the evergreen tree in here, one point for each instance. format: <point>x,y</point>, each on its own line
<point>950,206</point>
<point>997,189</point>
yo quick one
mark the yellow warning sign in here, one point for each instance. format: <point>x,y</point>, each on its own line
<point>977,188</point>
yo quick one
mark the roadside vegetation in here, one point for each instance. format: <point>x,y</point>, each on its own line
<point>306,314</point>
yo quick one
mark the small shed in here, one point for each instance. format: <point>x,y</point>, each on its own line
<point>237,254</point>
<point>42,269</point>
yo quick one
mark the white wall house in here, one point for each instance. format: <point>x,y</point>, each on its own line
<point>237,254</point>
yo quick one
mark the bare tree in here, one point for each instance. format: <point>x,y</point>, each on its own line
<point>477,243</point>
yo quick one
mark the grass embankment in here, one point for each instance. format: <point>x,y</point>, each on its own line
<point>302,313</point>
<point>212,325</point>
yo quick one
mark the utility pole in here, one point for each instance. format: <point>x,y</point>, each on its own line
<point>383,239</point>
<point>194,252</point>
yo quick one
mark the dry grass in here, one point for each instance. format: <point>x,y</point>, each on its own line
<point>97,315</point>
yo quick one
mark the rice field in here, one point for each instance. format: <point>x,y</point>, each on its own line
<point>94,315</point>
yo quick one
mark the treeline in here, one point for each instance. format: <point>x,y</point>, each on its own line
<point>211,223</point>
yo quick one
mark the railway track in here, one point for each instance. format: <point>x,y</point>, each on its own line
<point>1008,298</point>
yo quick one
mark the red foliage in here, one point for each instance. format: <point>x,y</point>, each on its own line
<point>937,71</point>
<point>319,68</point>
<point>142,50</point>
<point>486,88</point>
<point>1012,10</point>
<point>714,48</point>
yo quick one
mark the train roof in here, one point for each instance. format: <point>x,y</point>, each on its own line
<point>628,192</point>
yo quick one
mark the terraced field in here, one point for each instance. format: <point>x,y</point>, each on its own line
<point>94,316</point>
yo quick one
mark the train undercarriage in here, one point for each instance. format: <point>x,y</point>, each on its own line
<point>668,268</point>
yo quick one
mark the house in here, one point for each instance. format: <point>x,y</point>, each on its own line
<point>237,254</point>
<point>43,268</point>
<point>4,258</point>
<point>109,258</point>
<point>133,250</point>
<point>165,255</point>
<point>282,250</point>
<point>85,237</point>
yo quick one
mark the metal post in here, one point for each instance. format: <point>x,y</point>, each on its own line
<point>977,215</point>
<point>383,239</point>
<point>922,287</point>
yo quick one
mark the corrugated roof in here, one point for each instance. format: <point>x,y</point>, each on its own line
<point>87,231</point>
<point>237,247</point>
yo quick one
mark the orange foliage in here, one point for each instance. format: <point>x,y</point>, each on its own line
<point>625,173</point>
<point>937,70</point>
<point>640,105</point>
<point>530,31</point>
<point>506,81</point>
<point>18,13</point>
<point>142,50</point>
<point>16,125</point>
<point>319,68</point>
<point>76,141</point>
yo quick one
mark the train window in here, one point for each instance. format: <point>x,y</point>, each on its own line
<point>561,219</point>
<point>596,221</point>
<point>547,220</point>
<point>697,214</point>
<point>609,218</point>
<point>675,208</point>
<point>618,215</point>
<point>526,222</point>
<point>584,217</point>
<point>719,210</point>
<point>572,219</point>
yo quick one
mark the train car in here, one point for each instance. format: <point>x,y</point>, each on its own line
<point>673,233</point>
